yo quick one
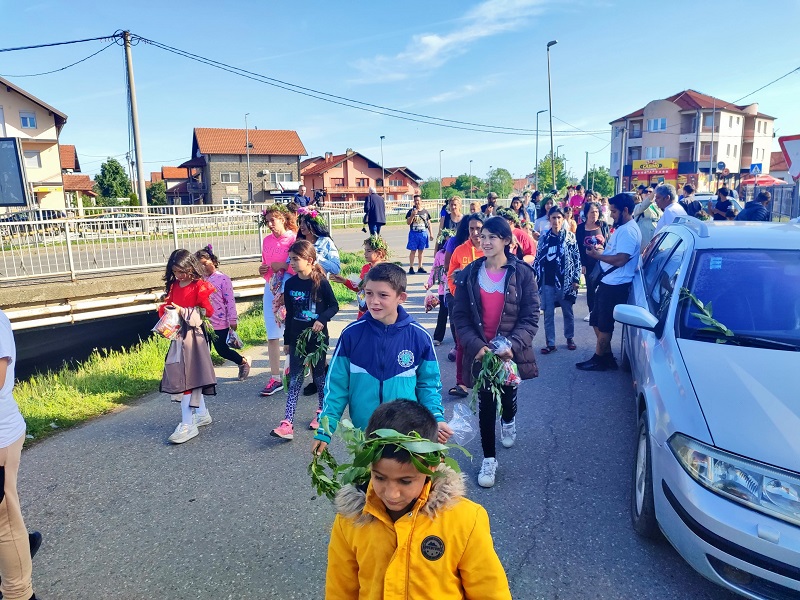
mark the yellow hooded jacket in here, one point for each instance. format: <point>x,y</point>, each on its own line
<point>441,550</point>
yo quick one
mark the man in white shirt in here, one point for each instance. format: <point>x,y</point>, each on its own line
<point>667,201</point>
<point>619,261</point>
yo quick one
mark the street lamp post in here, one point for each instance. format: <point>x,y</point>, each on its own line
<point>383,170</point>
<point>247,147</point>
<point>489,179</point>
<point>550,107</point>
<point>536,165</point>
<point>441,196</point>
<point>470,179</point>
<point>555,186</point>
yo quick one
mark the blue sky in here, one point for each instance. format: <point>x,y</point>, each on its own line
<point>481,62</point>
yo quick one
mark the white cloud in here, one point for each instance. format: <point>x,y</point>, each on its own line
<point>428,51</point>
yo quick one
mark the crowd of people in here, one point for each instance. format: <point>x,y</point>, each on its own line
<point>495,270</point>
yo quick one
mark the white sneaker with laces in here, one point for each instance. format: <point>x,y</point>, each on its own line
<point>508,433</point>
<point>486,475</point>
<point>183,433</point>
<point>200,420</point>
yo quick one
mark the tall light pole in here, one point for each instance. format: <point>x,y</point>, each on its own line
<point>470,179</point>
<point>247,146</point>
<point>550,107</point>
<point>489,179</point>
<point>383,170</point>
<point>536,165</point>
<point>555,186</point>
<point>441,196</point>
<point>557,148</point>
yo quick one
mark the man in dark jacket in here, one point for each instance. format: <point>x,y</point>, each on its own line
<point>756,210</point>
<point>374,211</point>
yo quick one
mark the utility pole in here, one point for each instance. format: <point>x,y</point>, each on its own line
<point>587,169</point>
<point>623,158</point>
<point>711,153</point>
<point>383,171</point>
<point>135,124</point>
<point>470,179</point>
<point>247,147</point>
<point>441,196</point>
<point>536,165</point>
<point>550,108</point>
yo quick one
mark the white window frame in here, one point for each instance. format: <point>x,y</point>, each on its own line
<point>659,124</point>
<point>758,126</point>
<point>278,177</point>
<point>655,152</point>
<point>730,121</point>
<point>230,177</point>
<point>35,156</point>
<point>27,119</point>
<point>396,183</point>
<point>728,150</point>
<point>231,201</point>
<point>735,150</point>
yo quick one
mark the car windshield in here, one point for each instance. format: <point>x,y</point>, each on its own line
<point>754,294</point>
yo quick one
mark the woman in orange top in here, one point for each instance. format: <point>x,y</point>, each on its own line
<point>188,370</point>
<point>469,233</point>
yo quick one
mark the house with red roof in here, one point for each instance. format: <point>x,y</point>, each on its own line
<point>690,137</point>
<point>347,177</point>
<point>225,161</point>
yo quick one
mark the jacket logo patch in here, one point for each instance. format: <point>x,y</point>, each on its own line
<point>405,359</point>
<point>432,547</point>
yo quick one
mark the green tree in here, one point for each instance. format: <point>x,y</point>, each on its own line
<point>600,180</point>
<point>157,194</point>
<point>500,182</point>
<point>546,175</point>
<point>462,185</point>
<point>449,192</point>
<point>429,189</point>
<point>112,181</point>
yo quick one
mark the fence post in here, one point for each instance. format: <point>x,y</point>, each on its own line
<point>330,222</point>
<point>70,259</point>
<point>175,231</point>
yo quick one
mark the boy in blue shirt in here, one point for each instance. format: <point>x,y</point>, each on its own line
<point>384,355</point>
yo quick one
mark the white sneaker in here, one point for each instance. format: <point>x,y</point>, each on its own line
<point>199,421</point>
<point>508,433</point>
<point>486,475</point>
<point>587,317</point>
<point>183,433</point>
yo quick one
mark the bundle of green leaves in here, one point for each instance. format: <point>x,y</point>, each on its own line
<point>311,357</point>
<point>490,378</point>
<point>328,476</point>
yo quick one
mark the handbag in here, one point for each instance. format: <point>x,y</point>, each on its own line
<point>169,324</point>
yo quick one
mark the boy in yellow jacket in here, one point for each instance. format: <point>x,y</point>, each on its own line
<point>409,535</point>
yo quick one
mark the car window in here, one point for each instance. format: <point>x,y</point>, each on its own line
<point>751,292</point>
<point>664,285</point>
<point>657,258</point>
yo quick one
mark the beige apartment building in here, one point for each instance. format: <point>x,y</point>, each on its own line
<point>37,126</point>
<point>690,138</point>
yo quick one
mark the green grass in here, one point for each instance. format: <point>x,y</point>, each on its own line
<point>351,262</point>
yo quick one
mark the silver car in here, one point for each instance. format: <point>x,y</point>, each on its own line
<point>712,337</point>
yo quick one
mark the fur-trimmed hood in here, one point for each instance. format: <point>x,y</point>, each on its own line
<point>442,491</point>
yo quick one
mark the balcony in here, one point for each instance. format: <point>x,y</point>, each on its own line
<point>636,134</point>
<point>688,128</point>
<point>707,128</point>
<point>196,187</point>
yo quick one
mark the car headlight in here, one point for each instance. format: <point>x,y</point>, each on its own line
<point>763,488</point>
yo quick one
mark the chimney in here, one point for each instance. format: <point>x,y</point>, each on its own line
<point>349,152</point>
<point>328,156</point>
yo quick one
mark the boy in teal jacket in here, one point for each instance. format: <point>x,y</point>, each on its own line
<point>384,355</point>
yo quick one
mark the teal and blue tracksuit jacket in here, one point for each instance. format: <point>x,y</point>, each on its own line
<point>375,363</point>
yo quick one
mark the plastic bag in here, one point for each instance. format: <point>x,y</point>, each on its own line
<point>169,324</point>
<point>464,424</point>
<point>500,344</point>
<point>511,371</point>
<point>431,301</point>
<point>233,340</point>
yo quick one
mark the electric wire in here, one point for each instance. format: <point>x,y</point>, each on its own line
<point>94,39</point>
<point>343,101</point>
<point>103,49</point>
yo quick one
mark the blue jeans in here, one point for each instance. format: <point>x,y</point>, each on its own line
<point>375,228</point>
<point>550,295</point>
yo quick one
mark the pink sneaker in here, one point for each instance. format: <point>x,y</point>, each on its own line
<point>285,430</point>
<point>273,385</point>
<point>314,425</point>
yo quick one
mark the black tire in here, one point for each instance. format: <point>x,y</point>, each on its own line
<point>624,359</point>
<point>643,510</point>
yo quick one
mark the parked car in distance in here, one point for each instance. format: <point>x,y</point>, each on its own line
<point>712,337</point>
<point>704,199</point>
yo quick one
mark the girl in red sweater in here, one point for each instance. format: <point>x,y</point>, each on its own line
<point>188,370</point>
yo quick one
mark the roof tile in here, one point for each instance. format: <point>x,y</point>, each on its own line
<point>69,157</point>
<point>74,182</point>
<point>174,173</point>
<point>263,141</point>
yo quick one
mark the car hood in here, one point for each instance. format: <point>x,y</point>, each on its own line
<point>749,399</point>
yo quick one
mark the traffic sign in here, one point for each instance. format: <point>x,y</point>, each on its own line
<point>726,172</point>
<point>756,168</point>
<point>720,165</point>
<point>790,145</point>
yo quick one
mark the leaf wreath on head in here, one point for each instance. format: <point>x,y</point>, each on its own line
<point>328,476</point>
<point>376,242</point>
<point>312,215</point>
<point>272,208</point>
<point>444,235</point>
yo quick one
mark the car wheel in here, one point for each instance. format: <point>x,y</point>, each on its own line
<point>624,359</point>
<point>643,511</point>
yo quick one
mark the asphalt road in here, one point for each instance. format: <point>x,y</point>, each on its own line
<point>231,514</point>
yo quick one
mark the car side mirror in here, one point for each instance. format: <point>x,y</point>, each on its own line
<point>635,316</point>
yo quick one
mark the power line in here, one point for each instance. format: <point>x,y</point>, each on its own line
<point>578,128</point>
<point>104,48</point>
<point>105,37</point>
<point>348,102</point>
<point>769,84</point>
